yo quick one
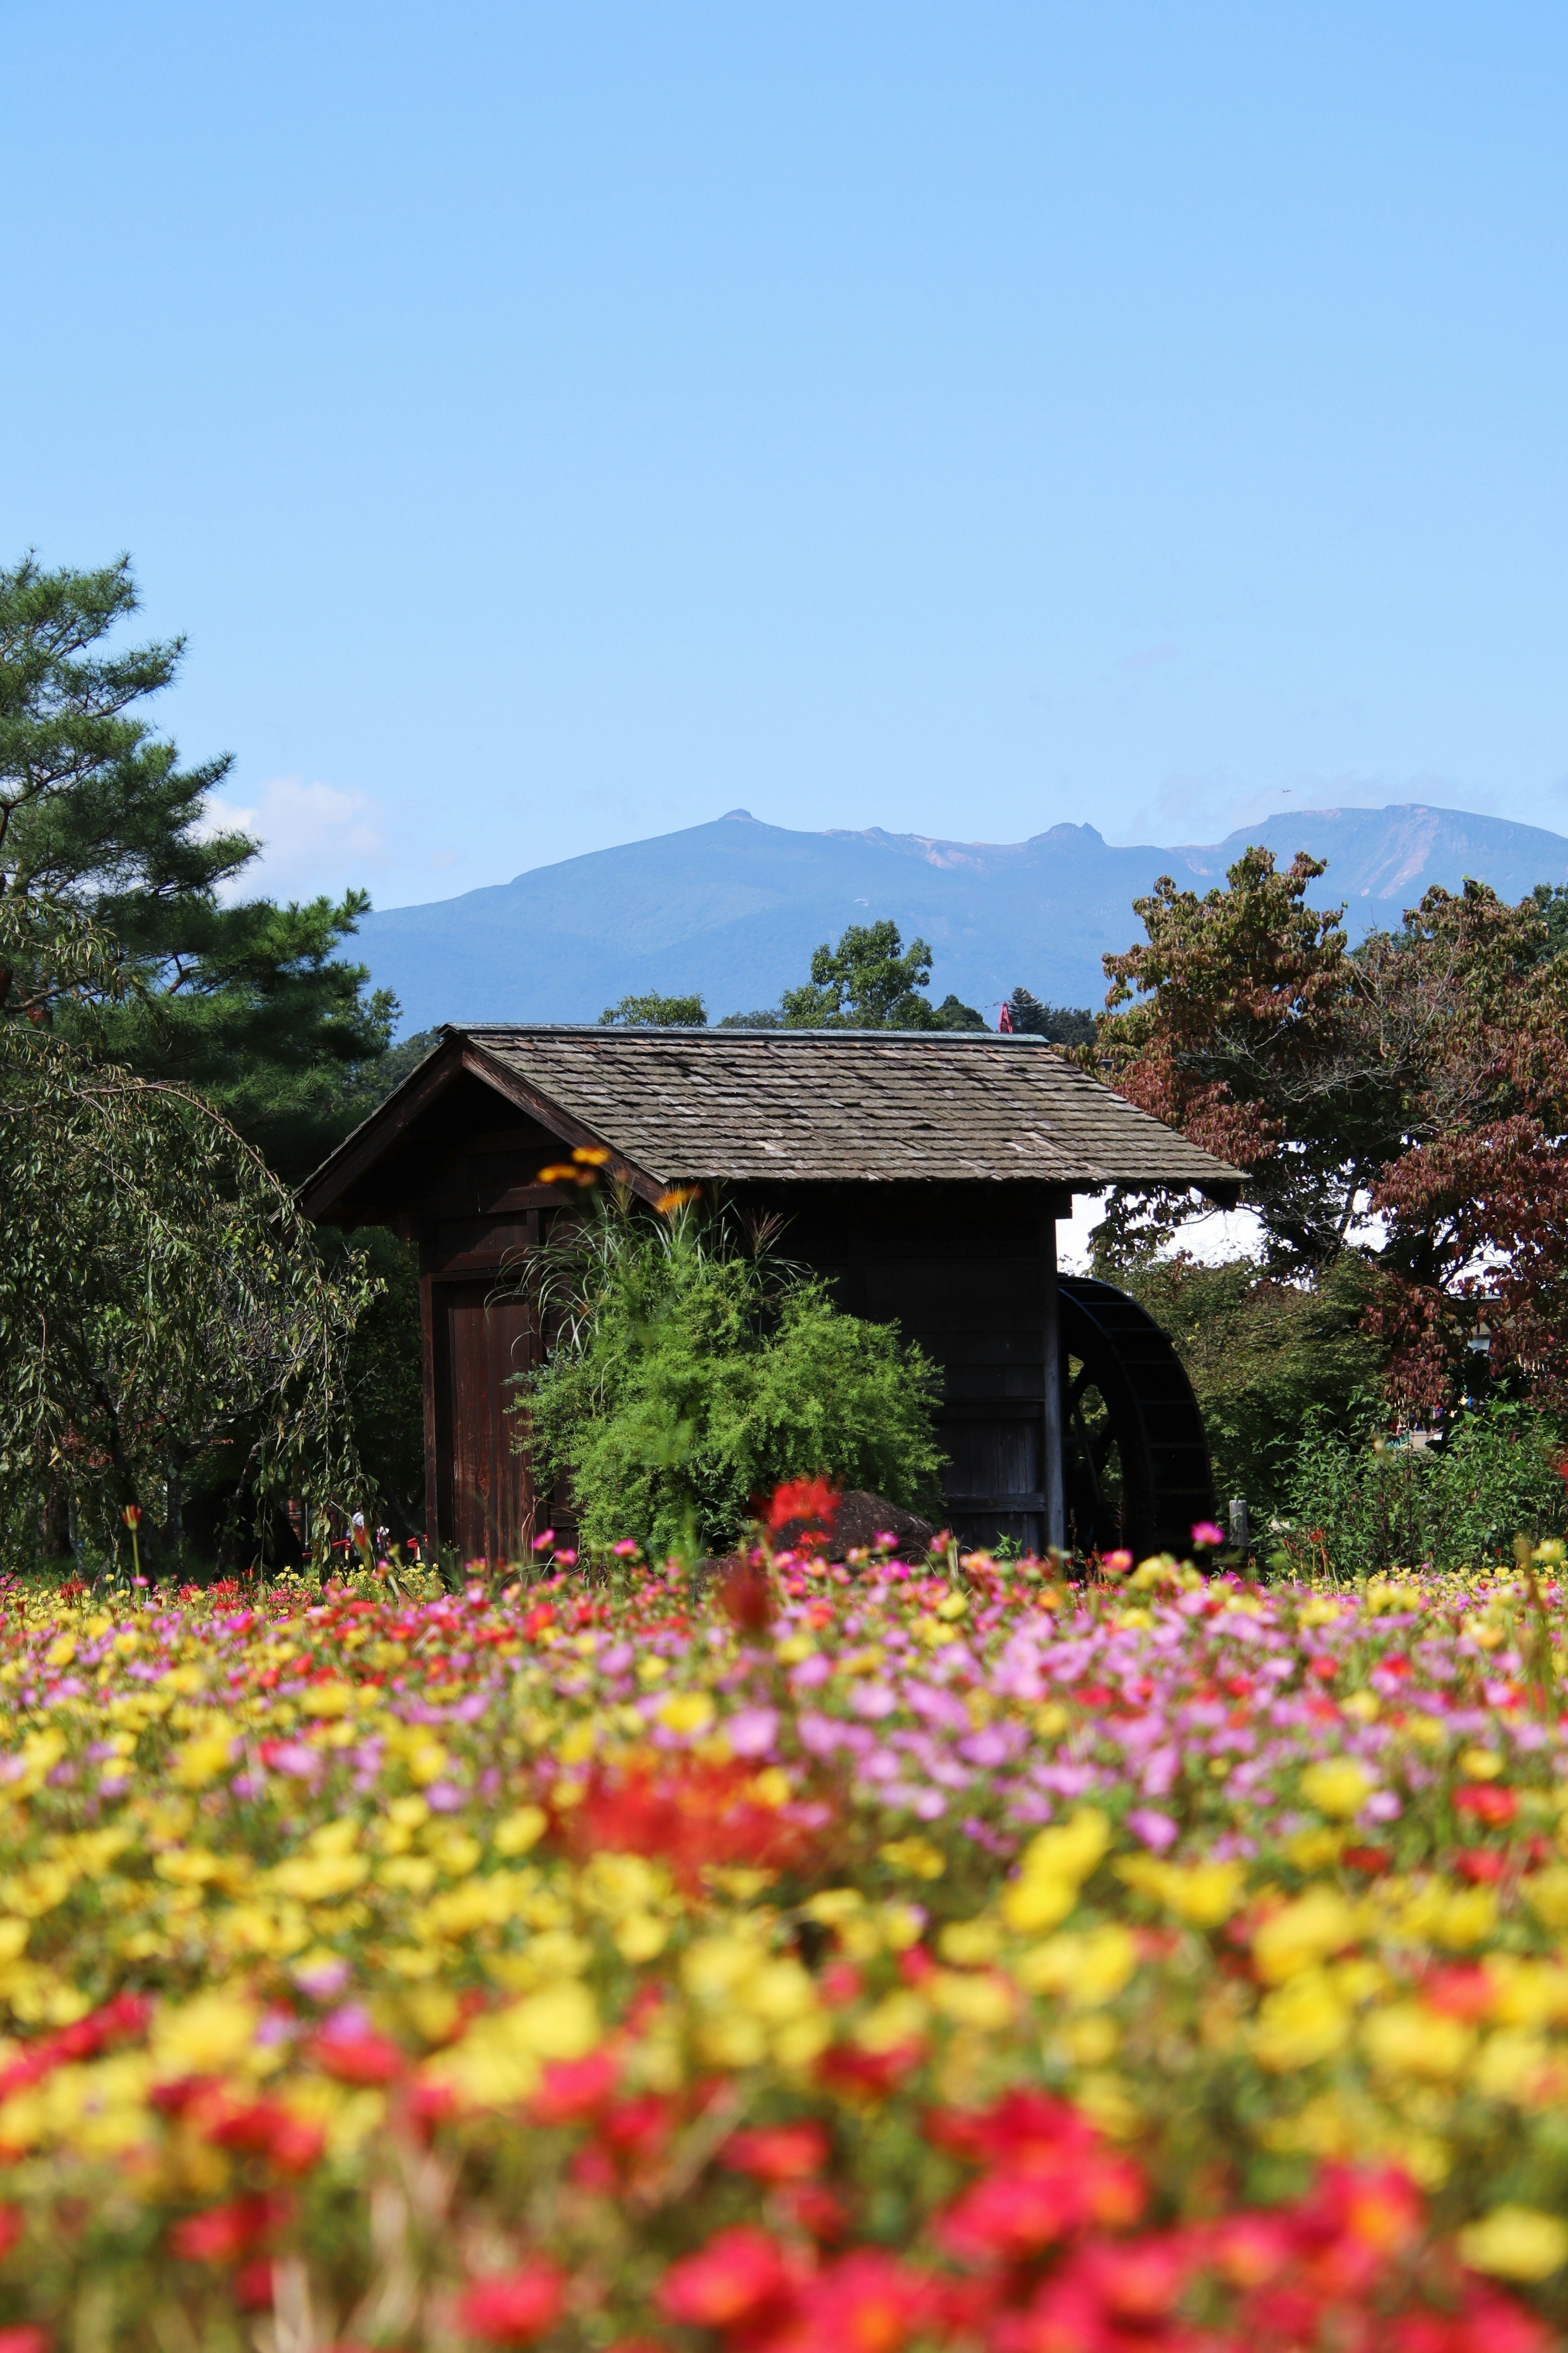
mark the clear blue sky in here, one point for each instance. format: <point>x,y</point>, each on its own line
<point>554,423</point>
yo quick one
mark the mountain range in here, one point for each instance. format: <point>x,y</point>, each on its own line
<point>734,908</point>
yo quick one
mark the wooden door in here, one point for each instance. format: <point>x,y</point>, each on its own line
<point>487,1503</point>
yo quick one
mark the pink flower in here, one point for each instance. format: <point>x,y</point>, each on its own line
<point>512,2307</point>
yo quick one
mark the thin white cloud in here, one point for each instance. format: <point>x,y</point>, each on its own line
<point>314,837</point>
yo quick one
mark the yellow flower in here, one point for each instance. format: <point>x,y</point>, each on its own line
<point>426,1762</point>
<point>1301,1933</point>
<point>1202,1893</point>
<point>900,2018</point>
<point>201,1761</point>
<point>981,2000</point>
<point>971,1942</point>
<point>325,1700</point>
<point>1409,2038</point>
<point>1480,1765</point>
<point>1337,1786</point>
<point>915,1855</point>
<point>1300,2023</point>
<point>1089,1967</point>
<point>1516,2242</point>
<point>206,2036</point>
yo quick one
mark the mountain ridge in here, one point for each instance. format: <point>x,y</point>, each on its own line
<point>734,907</point>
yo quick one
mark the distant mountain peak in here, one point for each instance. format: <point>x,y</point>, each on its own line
<point>737,913</point>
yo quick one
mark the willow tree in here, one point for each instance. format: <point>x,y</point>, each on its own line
<point>160,1294</point>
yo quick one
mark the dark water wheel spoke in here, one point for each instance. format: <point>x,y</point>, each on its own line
<point>1135,1458</point>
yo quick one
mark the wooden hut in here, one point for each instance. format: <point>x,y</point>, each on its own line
<point>923,1173</point>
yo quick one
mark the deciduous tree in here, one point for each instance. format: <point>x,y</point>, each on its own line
<point>1407,1099</point>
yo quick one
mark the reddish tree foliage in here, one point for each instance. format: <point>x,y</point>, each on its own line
<point>1420,1081</point>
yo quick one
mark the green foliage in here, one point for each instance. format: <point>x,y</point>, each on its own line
<point>869,981</point>
<point>250,1003</point>
<point>1262,1357</point>
<point>953,1014</point>
<point>1360,1504</point>
<point>160,1295</point>
<point>693,1370</point>
<point>1062,1025</point>
<point>655,1012</point>
<point>384,1376</point>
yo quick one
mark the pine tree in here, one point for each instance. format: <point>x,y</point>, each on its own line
<point>250,1003</point>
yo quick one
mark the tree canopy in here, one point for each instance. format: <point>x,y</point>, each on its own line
<point>1406,1100</point>
<point>160,1295</point>
<point>656,1012</point>
<point>249,1002</point>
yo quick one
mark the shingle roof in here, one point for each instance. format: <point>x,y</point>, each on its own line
<point>863,1104</point>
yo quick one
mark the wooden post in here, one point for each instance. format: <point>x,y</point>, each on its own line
<point>1051,1450</point>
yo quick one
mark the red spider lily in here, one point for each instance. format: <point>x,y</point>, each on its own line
<point>224,2234</point>
<point>740,2275</point>
<point>812,1500</point>
<point>574,2089</point>
<point>514,2307</point>
<point>775,2153</point>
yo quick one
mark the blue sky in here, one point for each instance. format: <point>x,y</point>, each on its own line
<point>555,424</point>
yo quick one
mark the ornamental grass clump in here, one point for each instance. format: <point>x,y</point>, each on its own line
<point>958,1960</point>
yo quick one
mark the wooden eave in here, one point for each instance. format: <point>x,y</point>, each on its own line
<point>321,1197</point>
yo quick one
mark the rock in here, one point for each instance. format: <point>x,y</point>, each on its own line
<point>860,1519</point>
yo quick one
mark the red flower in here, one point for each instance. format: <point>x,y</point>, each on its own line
<point>360,2058</point>
<point>512,2307</point>
<point>224,2234</point>
<point>747,1599</point>
<point>253,2285</point>
<point>738,2275</point>
<point>1488,1804</point>
<point>1003,2217</point>
<point>856,2075</point>
<point>264,2129</point>
<point>24,2339</point>
<point>801,1498</point>
<point>573,2089</point>
<point>867,2302</point>
<point>775,2153</point>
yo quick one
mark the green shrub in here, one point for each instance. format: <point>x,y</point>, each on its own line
<point>693,1369</point>
<point>1360,1504</point>
<point>1266,1359</point>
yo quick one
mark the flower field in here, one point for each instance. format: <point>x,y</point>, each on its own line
<point>846,1958</point>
